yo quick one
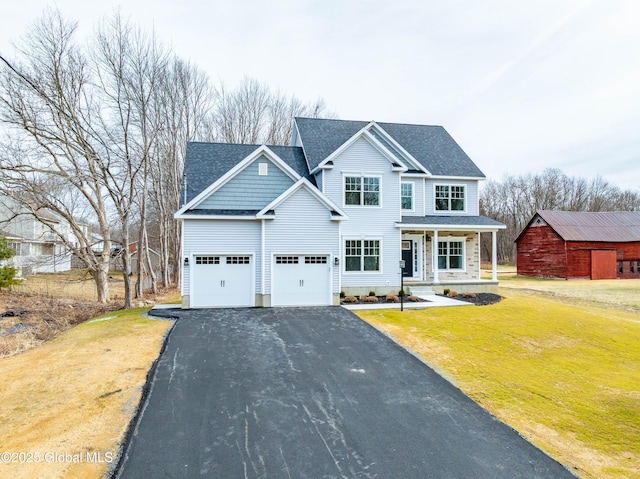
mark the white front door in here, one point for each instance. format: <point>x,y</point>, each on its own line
<point>222,280</point>
<point>301,280</point>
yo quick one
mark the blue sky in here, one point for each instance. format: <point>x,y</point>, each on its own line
<point>521,86</point>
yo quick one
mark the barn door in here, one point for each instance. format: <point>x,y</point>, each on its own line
<point>603,264</point>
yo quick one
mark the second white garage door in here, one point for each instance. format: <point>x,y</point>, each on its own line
<point>301,280</point>
<point>222,281</point>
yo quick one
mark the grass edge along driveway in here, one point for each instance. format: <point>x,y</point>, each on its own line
<point>65,405</point>
<point>566,377</point>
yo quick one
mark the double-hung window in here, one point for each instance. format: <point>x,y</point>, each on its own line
<point>406,196</point>
<point>362,190</point>
<point>450,255</point>
<point>362,255</point>
<point>449,198</point>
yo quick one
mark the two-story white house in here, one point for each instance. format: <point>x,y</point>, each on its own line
<point>350,206</point>
<point>35,236</point>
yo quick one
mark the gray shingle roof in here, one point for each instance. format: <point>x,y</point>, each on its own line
<point>606,226</point>
<point>451,220</point>
<point>432,146</point>
<point>205,163</point>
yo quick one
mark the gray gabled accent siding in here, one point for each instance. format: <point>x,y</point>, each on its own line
<point>248,190</point>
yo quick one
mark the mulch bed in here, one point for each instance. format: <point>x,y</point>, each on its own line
<point>383,300</point>
<point>481,299</point>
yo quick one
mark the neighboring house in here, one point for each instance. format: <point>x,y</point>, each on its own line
<point>334,212</point>
<point>133,250</point>
<point>586,245</point>
<point>95,239</point>
<point>35,240</point>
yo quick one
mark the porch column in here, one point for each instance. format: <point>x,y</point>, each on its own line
<point>434,259</point>
<point>494,256</point>
<point>479,256</point>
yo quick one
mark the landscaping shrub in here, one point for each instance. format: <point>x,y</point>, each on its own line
<point>452,294</point>
<point>350,299</point>
<point>446,291</point>
<point>413,299</point>
<point>372,293</point>
<point>391,298</point>
<point>468,295</point>
<point>369,299</point>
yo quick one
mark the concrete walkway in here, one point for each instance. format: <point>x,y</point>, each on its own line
<point>434,301</point>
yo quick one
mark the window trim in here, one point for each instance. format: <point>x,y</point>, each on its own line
<point>448,240</point>
<point>361,240</point>
<point>450,211</point>
<point>362,176</point>
<point>413,196</point>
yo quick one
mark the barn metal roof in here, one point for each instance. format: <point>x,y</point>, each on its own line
<point>608,226</point>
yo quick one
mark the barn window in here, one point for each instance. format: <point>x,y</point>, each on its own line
<point>620,268</point>
<point>632,267</point>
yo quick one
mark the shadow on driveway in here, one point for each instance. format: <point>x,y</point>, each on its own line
<point>309,393</point>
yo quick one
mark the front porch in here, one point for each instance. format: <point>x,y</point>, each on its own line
<point>444,252</point>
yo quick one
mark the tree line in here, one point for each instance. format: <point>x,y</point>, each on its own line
<point>515,199</point>
<point>95,132</point>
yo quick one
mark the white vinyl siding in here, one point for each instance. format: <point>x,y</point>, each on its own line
<point>220,237</point>
<point>302,226</point>
<point>368,223</point>
<point>249,190</point>
<point>471,207</point>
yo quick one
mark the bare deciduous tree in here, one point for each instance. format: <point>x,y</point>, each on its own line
<point>514,200</point>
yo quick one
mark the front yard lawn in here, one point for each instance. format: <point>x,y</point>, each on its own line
<point>566,376</point>
<point>65,405</point>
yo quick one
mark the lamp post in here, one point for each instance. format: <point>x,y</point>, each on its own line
<point>401,285</point>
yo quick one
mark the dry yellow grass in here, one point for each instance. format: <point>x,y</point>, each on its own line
<point>75,283</point>
<point>566,376</point>
<point>66,404</point>
<point>616,293</point>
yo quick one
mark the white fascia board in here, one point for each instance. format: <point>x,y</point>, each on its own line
<point>301,183</point>
<point>474,228</point>
<point>392,140</point>
<point>187,216</point>
<point>458,178</point>
<point>261,150</point>
<point>341,148</point>
<point>385,151</point>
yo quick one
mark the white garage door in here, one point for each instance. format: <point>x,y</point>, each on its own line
<point>301,280</point>
<point>222,281</point>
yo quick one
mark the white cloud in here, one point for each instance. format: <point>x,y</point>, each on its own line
<point>520,85</point>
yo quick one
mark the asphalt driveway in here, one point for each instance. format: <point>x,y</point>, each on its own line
<point>311,393</point>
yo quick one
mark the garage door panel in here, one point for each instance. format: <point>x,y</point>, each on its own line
<point>222,281</point>
<point>301,280</point>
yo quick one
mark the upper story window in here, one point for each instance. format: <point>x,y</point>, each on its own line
<point>362,190</point>
<point>449,198</point>
<point>406,196</point>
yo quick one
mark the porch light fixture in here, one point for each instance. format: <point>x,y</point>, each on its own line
<point>336,261</point>
<point>186,261</point>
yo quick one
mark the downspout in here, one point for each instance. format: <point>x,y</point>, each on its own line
<point>262,259</point>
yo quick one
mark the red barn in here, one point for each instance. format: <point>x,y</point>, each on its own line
<point>578,244</point>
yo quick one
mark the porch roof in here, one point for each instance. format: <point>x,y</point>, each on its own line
<point>438,222</point>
